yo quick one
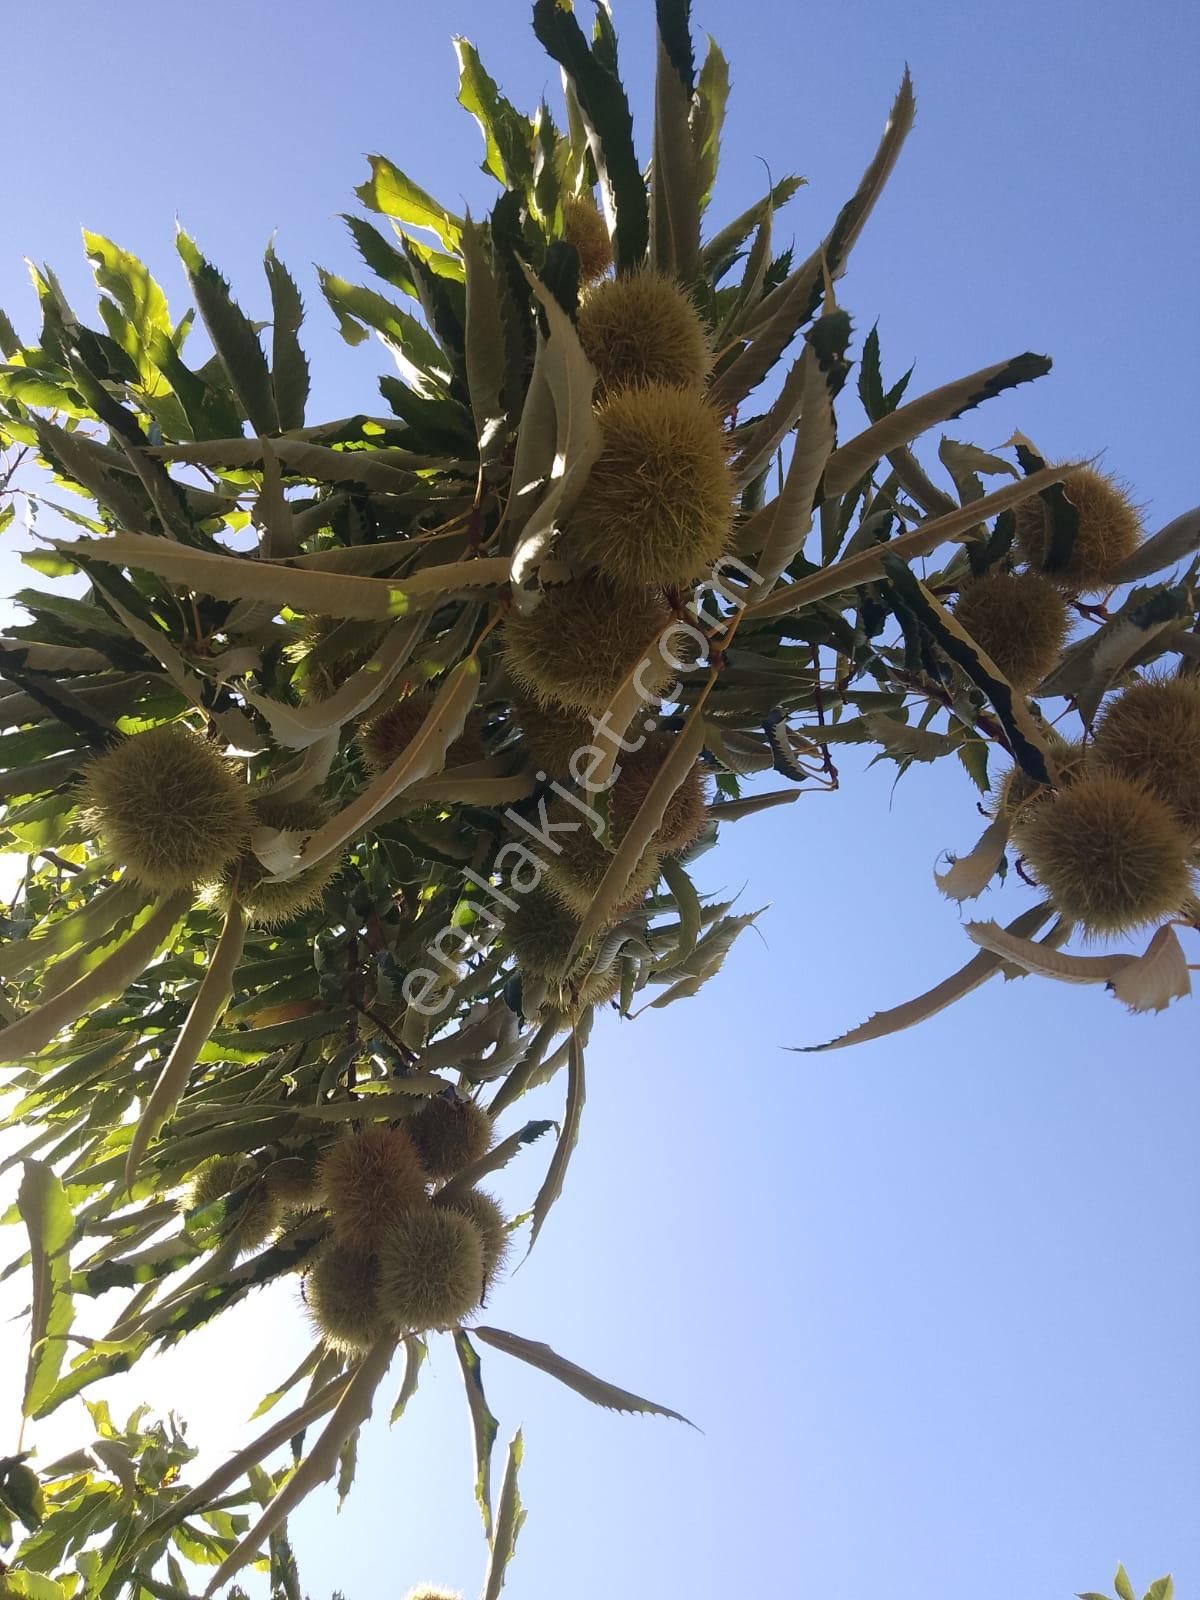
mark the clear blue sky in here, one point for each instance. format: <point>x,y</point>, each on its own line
<point>934,1303</point>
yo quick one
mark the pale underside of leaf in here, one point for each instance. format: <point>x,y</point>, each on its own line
<point>536,443</point>
<point>793,509</point>
<point>1089,667</point>
<point>236,727</point>
<point>272,514</point>
<point>960,983</point>
<point>272,1438</point>
<point>212,997</point>
<point>298,727</point>
<point>415,1351</point>
<point>309,773</point>
<point>484,1426</point>
<point>424,755</point>
<point>968,876</point>
<point>387,468</point>
<point>46,1213</point>
<point>351,1411</point>
<point>907,422</point>
<point>627,700</point>
<point>638,836</point>
<point>571,380</point>
<point>749,805</point>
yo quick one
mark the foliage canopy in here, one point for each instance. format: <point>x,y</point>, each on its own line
<point>324,766</point>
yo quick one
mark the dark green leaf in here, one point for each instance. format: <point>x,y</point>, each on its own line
<point>289,365</point>
<point>233,337</point>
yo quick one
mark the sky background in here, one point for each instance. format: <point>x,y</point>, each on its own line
<point>932,1302</point>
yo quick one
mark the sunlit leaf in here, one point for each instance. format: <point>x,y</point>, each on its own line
<point>46,1213</point>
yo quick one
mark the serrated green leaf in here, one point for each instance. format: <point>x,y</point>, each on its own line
<point>865,565</point>
<point>722,250</point>
<point>792,511</point>
<point>128,280</point>
<point>394,194</point>
<point>23,1584</point>
<point>902,426</point>
<point>495,1159</point>
<point>787,308</point>
<point>234,339</point>
<point>708,119</point>
<point>381,256</point>
<point>89,465</point>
